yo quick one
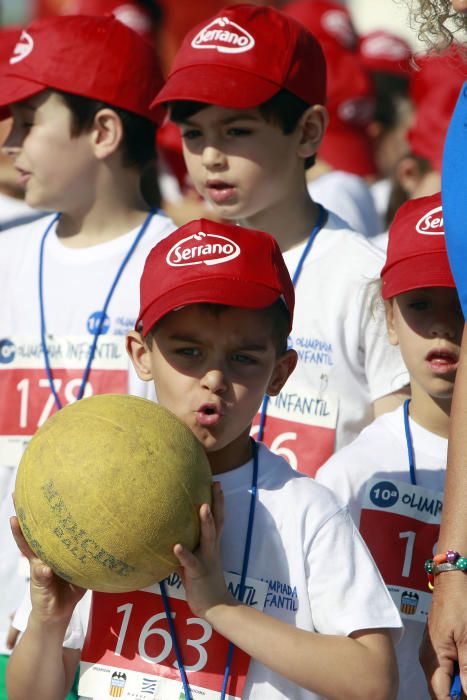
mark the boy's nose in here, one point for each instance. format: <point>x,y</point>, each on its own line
<point>215,381</point>
<point>213,157</point>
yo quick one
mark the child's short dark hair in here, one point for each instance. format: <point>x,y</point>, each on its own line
<point>283,109</point>
<point>277,313</point>
<point>139,139</point>
<point>139,142</point>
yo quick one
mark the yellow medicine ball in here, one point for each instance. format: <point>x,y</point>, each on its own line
<point>107,487</point>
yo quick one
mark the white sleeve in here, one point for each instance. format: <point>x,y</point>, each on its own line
<point>76,630</point>
<point>349,197</point>
<point>347,592</point>
<point>383,364</point>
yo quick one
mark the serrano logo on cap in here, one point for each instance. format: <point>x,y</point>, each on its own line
<point>224,36</point>
<point>385,46</point>
<point>202,249</point>
<point>23,48</point>
<point>431,224</point>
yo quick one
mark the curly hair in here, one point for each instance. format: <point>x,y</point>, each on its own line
<point>437,22</point>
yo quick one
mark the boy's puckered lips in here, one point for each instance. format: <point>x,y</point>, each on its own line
<point>95,57</point>
<point>245,55</point>
<point>210,262</point>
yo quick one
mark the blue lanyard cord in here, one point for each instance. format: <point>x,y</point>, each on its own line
<point>246,558</point>
<point>408,439</point>
<point>322,216</point>
<point>178,654</point>
<point>103,313</point>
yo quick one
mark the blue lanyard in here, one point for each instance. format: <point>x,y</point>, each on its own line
<point>322,216</point>
<point>103,313</point>
<point>409,441</point>
<point>246,558</point>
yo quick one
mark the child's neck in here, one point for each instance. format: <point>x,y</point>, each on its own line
<point>234,455</point>
<point>113,212</point>
<point>431,413</point>
<point>290,221</point>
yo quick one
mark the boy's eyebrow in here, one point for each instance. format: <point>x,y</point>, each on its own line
<point>241,345</point>
<point>226,121</point>
<point>27,104</point>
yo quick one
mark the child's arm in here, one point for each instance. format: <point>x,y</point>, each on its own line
<point>361,666</point>
<point>40,667</point>
<point>445,637</point>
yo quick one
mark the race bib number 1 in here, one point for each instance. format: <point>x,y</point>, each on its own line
<point>400,524</point>
<point>129,653</point>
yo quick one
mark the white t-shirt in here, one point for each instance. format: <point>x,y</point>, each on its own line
<point>15,212</point>
<point>349,197</point>
<point>300,531</point>
<point>381,192</point>
<point>76,283</point>
<point>345,361</point>
<point>380,453</point>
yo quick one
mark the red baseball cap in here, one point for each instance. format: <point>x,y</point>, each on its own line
<point>350,92</point>
<point>207,261</point>
<point>129,12</point>
<point>330,22</point>
<point>434,90</point>
<point>351,106</point>
<point>243,56</point>
<point>384,52</point>
<point>417,255</point>
<point>95,57</point>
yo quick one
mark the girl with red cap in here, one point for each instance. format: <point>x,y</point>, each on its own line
<point>392,475</point>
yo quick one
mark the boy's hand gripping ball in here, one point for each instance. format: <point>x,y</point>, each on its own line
<point>107,487</point>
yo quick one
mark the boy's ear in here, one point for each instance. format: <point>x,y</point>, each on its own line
<point>106,133</point>
<point>390,325</point>
<point>139,354</point>
<point>285,365</point>
<point>408,175</point>
<point>312,126</point>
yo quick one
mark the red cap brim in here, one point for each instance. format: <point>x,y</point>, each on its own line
<point>415,272</point>
<point>211,291</point>
<point>222,86</point>
<point>14,89</point>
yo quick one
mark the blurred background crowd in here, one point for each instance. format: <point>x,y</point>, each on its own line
<point>389,99</point>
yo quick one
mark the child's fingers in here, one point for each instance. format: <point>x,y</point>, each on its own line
<point>41,574</point>
<point>209,536</point>
<point>22,545</point>
<point>190,564</point>
<point>218,507</point>
<point>12,637</point>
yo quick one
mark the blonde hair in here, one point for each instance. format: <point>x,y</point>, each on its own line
<point>432,18</point>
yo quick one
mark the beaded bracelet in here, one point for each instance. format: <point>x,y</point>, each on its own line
<point>450,561</point>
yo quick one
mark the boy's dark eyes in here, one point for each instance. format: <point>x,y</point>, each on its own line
<point>239,131</point>
<point>244,359</point>
<point>190,134</point>
<point>188,352</point>
<point>195,353</point>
